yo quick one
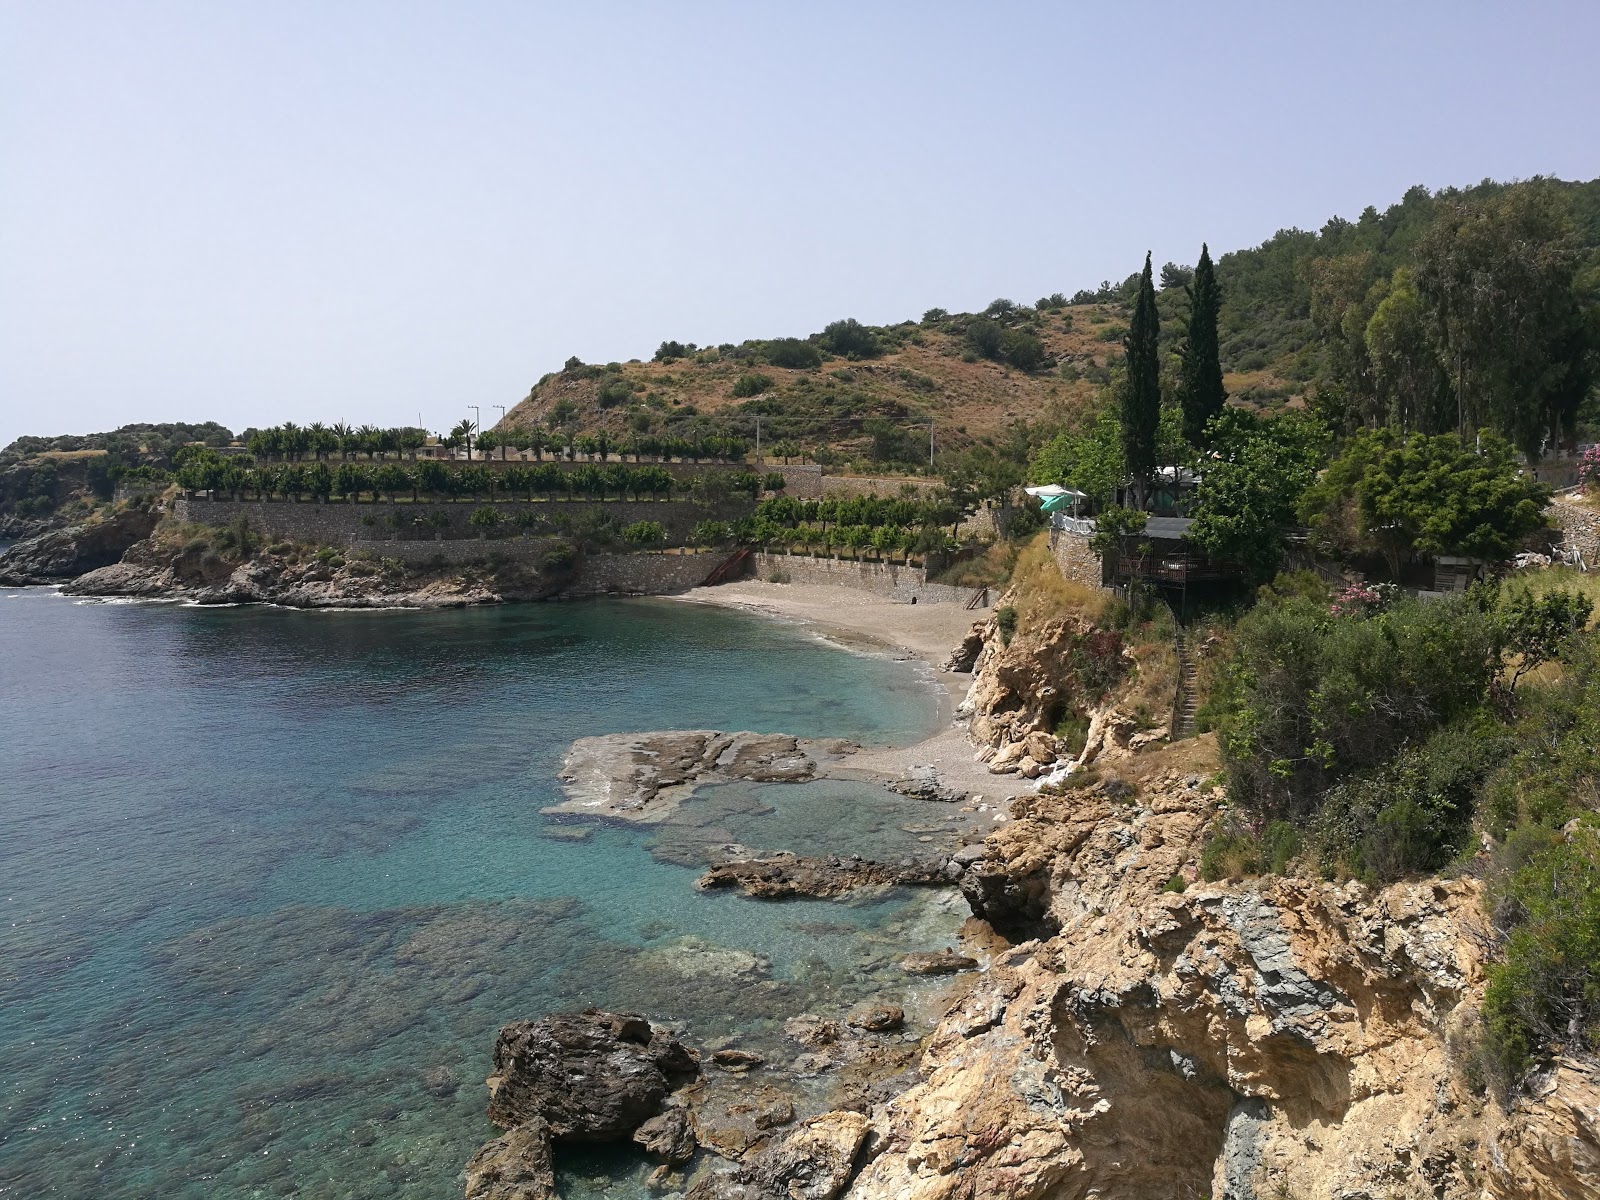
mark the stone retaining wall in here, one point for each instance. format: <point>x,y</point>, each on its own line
<point>1077,561</point>
<point>640,574</point>
<point>529,550</point>
<point>1580,529</point>
<point>340,523</point>
<point>902,583</point>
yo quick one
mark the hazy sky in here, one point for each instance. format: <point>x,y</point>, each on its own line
<point>249,212</point>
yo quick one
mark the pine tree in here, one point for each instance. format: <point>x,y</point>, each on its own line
<point>1202,391</point>
<point>1141,397</point>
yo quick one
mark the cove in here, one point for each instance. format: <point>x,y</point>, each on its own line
<point>271,880</point>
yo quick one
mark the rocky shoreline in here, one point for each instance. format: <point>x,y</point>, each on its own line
<point>1135,1032</point>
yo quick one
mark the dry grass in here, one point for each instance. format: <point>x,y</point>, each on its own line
<point>1039,592</point>
<point>1566,578</point>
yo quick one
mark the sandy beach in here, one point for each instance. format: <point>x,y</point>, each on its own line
<point>925,631</point>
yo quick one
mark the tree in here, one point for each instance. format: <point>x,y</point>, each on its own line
<point>1536,628</point>
<point>460,435</point>
<point>1410,386</point>
<point>1498,277</point>
<point>1141,396</point>
<point>850,337</point>
<point>1400,496</point>
<point>1201,392</point>
<point>1175,276</point>
<point>1250,488</point>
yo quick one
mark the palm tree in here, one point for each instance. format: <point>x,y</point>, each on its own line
<point>461,435</point>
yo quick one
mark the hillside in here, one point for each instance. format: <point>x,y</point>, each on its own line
<point>865,395</point>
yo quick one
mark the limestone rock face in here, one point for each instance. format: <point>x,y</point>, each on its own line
<point>75,550</point>
<point>1226,1040</point>
<point>589,1076</point>
<point>1548,1145</point>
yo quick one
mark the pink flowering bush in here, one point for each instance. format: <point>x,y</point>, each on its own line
<point>1361,600</point>
<point>1589,469</point>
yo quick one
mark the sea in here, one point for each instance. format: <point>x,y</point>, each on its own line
<point>271,880</point>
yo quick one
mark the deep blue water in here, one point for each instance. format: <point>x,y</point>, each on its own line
<point>269,881</point>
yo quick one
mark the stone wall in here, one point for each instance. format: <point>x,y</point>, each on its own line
<point>1580,529</point>
<point>457,550</point>
<point>340,523</point>
<point>652,574</point>
<point>1077,561</point>
<point>901,583</point>
<point>872,485</point>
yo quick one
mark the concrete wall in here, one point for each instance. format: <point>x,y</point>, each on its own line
<point>882,579</point>
<point>343,524</point>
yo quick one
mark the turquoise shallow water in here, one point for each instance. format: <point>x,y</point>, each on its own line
<point>269,881</point>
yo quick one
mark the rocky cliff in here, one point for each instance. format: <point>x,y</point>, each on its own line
<point>64,553</point>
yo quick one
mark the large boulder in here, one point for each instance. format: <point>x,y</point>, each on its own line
<point>75,550</point>
<point>590,1076</point>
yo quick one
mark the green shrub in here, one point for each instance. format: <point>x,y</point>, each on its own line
<point>1547,988</point>
<point>1021,349</point>
<point>774,481</point>
<point>559,557</point>
<point>669,352</point>
<point>792,354</point>
<point>644,533</point>
<point>1006,622</point>
<point>985,337</point>
<point>614,393</point>
<point>752,385</point>
<point>711,533</point>
<point>483,518</point>
<point>849,338</point>
<point>1309,698</point>
<point>1176,884</point>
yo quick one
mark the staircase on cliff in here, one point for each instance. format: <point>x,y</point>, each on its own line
<point>1186,703</point>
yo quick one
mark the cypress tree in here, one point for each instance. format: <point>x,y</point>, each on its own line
<point>1141,397</point>
<point>1202,391</point>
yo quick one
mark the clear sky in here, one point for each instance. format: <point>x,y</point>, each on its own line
<point>358,210</point>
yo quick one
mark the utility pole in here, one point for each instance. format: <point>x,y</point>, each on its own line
<point>930,445</point>
<point>758,439</point>
<point>478,424</point>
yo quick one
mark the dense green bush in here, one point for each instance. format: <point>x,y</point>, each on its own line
<point>753,384</point>
<point>644,533</point>
<point>794,354</point>
<point>614,393</point>
<point>1021,349</point>
<point>1547,987</point>
<point>1310,698</point>
<point>985,337</point>
<point>1414,813</point>
<point>850,339</point>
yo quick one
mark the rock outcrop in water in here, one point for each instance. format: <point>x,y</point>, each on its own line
<point>65,553</point>
<point>644,776</point>
<point>582,1077</point>
<point>783,876</point>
